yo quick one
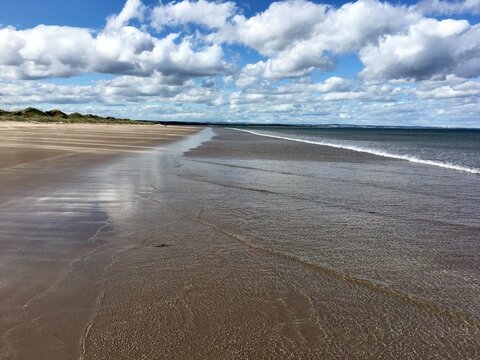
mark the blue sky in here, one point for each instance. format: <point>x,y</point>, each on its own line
<point>86,13</point>
<point>292,61</point>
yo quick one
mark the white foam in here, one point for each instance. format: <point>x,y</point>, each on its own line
<point>373,152</point>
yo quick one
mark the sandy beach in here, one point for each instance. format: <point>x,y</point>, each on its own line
<point>51,215</point>
<point>236,180</point>
<point>140,242</point>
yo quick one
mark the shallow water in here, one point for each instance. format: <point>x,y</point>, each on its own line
<point>456,149</point>
<point>408,228</point>
<point>232,245</point>
<point>280,249</point>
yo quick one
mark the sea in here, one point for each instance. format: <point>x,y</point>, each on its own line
<point>456,149</point>
<point>395,208</point>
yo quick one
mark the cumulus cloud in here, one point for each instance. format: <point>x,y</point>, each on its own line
<point>44,51</point>
<point>450,88</point>
<point>445,92</point>
<point>442,7</point>
<point>293,64</point>
<point>117,91</point>
<point>300,36</point>
<point>55,51</point>
<point>133,9</point>
<point>331,84</point>
<point>298,96</point>
<point>394,42</point>
<point>213,15</point>
<point>33,92</point>
<point>271,70</point>
<point>133,52</point>
<point>430,48</point>
<point>365,93</point>
<point>297,37</point>
<point>197,95</point>
<point>276,28</point>
<point>171,58</point>
<point>334,100</point>
<point>134,88</point>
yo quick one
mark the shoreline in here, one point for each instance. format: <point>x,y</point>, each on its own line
<point>194,255</point>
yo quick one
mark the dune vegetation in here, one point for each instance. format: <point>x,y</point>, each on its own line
<point>57,116</point>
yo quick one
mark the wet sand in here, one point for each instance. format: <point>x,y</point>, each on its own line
<point>208,254</point>
<point>51,211</point>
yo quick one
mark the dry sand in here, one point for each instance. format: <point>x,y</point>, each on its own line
<point>23,143</point>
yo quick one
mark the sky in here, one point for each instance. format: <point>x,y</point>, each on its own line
<point>292,61</point>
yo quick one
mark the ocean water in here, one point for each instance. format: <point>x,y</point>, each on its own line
<point>395,209</point>
<point>457,149</point>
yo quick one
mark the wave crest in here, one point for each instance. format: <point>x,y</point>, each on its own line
<point>373,152</point>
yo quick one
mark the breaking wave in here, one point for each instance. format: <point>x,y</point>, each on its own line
<point>410,158</point>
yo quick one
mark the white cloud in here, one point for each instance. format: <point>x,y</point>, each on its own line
<point>133,9</point>
<point>137,53</point>
<point>117,91</point>
<point>412,64</point>
<point>200,95</point>
<point>54,51</point>
<point>358,96</point>
<point>430,48</point>
<point>274,29</point>
<point>450,88</point>
<point>291,23</point>
<point>442,7</point>
<point>32,92</point>
<point>300,36</point>
<point>333,83</point>
<point>44,51</point>
<point>210,14</point>
<point>134,88</point>
<point>170,97</point>
<point>394,42</point>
